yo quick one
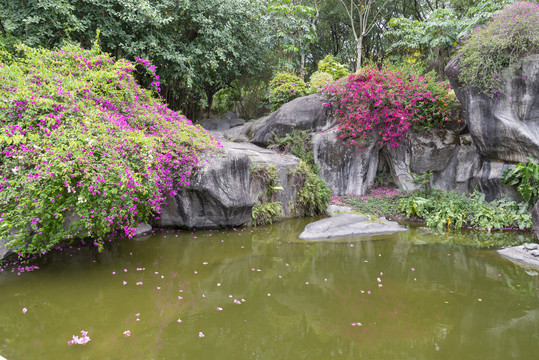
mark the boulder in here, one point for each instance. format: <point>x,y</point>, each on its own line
<point>245,132</point>
<point>452,159</point>
<point>504,129</point>
<point>224,192</point>
<point>334,210</point>
<point>230,120</point>
<point>304,113</point>
<point>490,183</point>
<point>347,225</point>
<point>524,254</point>
<point>345,168</point>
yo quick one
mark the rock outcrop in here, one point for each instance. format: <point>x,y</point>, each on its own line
<point>348,225</point>
<point>224,192</point>
<point>505,129</point>
<point>345,168</point>
<point>527,254</point>
<point>304,113</point>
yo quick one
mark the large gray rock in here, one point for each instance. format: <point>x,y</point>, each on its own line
<point>490,183</point>
<point>245,132</point>
<point>345,168</point>
<point>224,192</point>
<point>304,113</point>
<point>507,128</point>
<point>523,254</point>
<point>452,159</point>
<point>346,225</point>
<point>229,121</point>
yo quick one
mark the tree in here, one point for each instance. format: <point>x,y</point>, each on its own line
<point>363,15</point>
<point>198,47</point>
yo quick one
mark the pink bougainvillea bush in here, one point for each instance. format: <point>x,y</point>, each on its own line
<point>79,138</point>
<point>383,105</point>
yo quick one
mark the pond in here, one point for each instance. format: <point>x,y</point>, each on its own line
<point>263,294</point>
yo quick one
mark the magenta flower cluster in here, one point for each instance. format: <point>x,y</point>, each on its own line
<point>378,105</point>
<point>80,139</point>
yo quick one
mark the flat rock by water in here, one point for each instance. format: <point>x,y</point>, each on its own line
<point>349,225</point>
<point>524,254</point>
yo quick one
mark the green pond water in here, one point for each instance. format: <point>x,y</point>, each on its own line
<point>281,298</point>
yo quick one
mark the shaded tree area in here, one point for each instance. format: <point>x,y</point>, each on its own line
<point>229,49</point>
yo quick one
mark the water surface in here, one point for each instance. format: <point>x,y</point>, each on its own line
<point>281,298</point>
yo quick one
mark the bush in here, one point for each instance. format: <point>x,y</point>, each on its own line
<point>313,195</point>
<point>453,209</point>
<point>319,79</point>
<point>526,177</point>
<point>383,105</point>
<point>285,87</point>
<point>80,137</point>
<point>333,67</point>
<point>510,36</point>
<point>378,202</point>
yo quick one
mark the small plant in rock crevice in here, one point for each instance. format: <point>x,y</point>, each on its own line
<point>266,211</point>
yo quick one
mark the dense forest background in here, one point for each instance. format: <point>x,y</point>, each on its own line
<point>222,54</point>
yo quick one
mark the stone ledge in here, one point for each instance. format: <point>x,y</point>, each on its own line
<point>527,254</point>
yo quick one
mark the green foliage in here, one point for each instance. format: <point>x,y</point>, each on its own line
<point>285,87</point>
<point>318,80</point>
<point>437,37</point>
<point>266,213</point>
<point>501,44</point>
<point>526,177</point>
<point>269,178</point>
<point>299,143</point>
<point>377,202</point>
<point>199,47</point>
<point>292,32</point>
<point>331,66</point>
<point>453,209</point>
<point>313,195</point>
<point>79,137</point>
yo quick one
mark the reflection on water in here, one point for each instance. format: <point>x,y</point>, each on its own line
<point>264,294</point>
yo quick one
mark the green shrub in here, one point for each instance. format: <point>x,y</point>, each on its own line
<point>453,209</point>
<point>526,176</point>
<point>313,195</point>
<point>266,213</point>
<point>333,67</point>
<point>318,80</point>
<point>299,143</point>
<point>285,87</point>
<point>79,136</point>
<point>511,35</point>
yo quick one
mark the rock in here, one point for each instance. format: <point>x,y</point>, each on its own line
<point>534,252</point>
<point>503,129</point>
<point>223,193</point>
<point>452,159</point>
<point>535,219</point>
<point>529,246</point>
<point>228,122</point>
<point>345,168</point>
<point>490,183</point>
<point>304,113</point>
<point>346,225</point>
<point>143,229</point>
<point>245,132</point>
<point>5,252</point>
<point>520,255</point>
<point>333,210</point>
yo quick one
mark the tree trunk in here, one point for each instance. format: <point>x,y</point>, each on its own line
<point>359,46</point>
<point>302,67</point>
